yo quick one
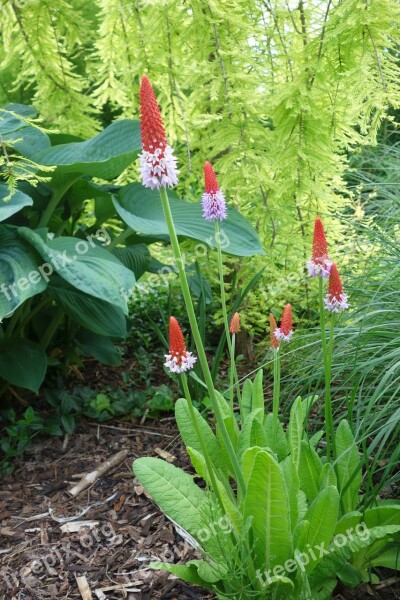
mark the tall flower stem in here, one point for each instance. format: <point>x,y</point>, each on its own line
<point>327,354</point>
<point>276,392</point>
<point>210,467</point>
<point>197,338</point>
<point>230,343</point>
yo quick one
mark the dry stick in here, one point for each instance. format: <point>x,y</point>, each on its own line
<point>90,478</point>
<point>83,587</point>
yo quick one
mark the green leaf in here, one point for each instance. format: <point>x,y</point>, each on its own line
<point>310,469</point>
<point>246,433</point>
<point>141,209</point>
<point>92,270</point>
<point>387,514</point>
<point>177,495</point>
<point>293,487</point>
<point>390,559</point>
<point>348,467</point>
<point>14,204</point>
<point>136,258</point>
<point>91,313</point>
<point>31,139</point>
<point>245,401</point>
<point>257,400</point>
<point>295,430</point>
<point>188,434</point>
<point>98,346</point>
<point>106,155</point>
<point>19,275</point>
<point>322,515</point>
<point>266,502</point>
<point>23,363</point>
<point>190,572</point>
<point>280,447</point>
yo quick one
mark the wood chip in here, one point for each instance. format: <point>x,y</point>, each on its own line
<point>83,587</point>
<point>165,455</point>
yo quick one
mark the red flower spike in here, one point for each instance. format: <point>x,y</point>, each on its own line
<point>320,245</point>
<point>336,299</point>
<point>210,180</point>
<point>274,342</point>
<point>287,320</point>
<point>177,344</point>
<point>235,324</point>
<point>151,124</point>
<point>179,359</point>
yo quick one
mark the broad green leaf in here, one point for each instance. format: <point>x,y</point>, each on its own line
<point>338,555</point>
<point>30,139</point>
<point>276,439</point>
<point>349,575</point>
<point>14,204</point>
<point>98,346</point>
<point>245,401</point>
<point>23,363</point>
<point>92,270</point>
<point>327,476</point>
<point>300,535</point>
<point>257,400</point>
<point>19,271</point>
<point>348,522</point>
<point>197,572</point>
<point>348,467</point>
<point>245,434</point>
<point>295,430</point>
<point>232,512</point>
<point>92,313</point>
<point>386,514</point>
<point>189,436</point>
<point>176,494</point>
<point>267,503</point>
<point>310,469</point>
<point>390,559</point>
<point>292,482</point>
<point>106,155</point>
<point>258,437</point>
<point>141,209</point>
<point>136,258</point>
<point>322,515</point>
<point>281,588</point>
<point>248,458</point>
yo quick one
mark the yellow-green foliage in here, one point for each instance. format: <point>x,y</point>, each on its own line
<point>275,93</point>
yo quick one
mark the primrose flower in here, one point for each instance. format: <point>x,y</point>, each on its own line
<point>320,263</point>
<point>285,331</point>
<point>157,162</point>
<point>336,299</point>
<point>179,359</point>
<point>214,204</point>
<point>235,324</point>
<point>274,342</point>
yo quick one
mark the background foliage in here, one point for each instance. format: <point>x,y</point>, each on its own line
<point>311,83</point>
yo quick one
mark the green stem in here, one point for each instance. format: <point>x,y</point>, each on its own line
<point>197,338</point>
<point>210,467</point>
<point>222,287</point>
<point>276,393</point>
<point>120,238</point>
<point>231,385</point>
<point>327,355</point>
<point>328,386</point>
<point>52,328</point>
<point>58,193</point>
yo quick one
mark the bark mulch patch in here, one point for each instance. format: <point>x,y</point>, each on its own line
<point>43,555</point>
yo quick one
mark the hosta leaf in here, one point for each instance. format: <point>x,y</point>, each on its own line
<point>14,204</point>
<point>105,155</point>
<point>136,258</point>
<point>23,363</point>
<point>141,210</point>
<point>19,275</point>
<point>92,270</point>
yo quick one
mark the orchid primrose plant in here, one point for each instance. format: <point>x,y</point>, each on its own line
<point>279,516</point>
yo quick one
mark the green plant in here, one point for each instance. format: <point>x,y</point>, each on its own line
<point>291,524</point>
<point>73,243</point>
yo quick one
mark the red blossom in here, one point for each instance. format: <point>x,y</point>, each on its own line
<point>274,342</point>
<point>151,124</point>
<point>235,323</point>
<point>287,320</point>
<point>177,346</point>
<point>335,288</point>
<point>210,180</point>
<point>320,246</point>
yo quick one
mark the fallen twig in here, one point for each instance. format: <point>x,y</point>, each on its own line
<point>91,477</point>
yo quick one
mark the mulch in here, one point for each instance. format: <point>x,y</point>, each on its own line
<point>40,558</point>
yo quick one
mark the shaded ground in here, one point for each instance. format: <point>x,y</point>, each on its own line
<point>39,560</point>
